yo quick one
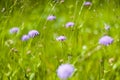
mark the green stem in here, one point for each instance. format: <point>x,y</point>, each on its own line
<point>102,62</point>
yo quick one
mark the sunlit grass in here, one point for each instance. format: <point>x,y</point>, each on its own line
<point>38,58</point>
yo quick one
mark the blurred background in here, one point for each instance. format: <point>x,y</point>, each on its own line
<point>38,58</point>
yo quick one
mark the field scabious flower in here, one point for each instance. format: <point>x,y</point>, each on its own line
<point>51,17</point>
<point>14,30</point>
<point>64,71</point>
<point>107,27</point>
<point>25,37</point>
<point>69,24</point>
<point>87,3</point>
<point>33,33</point>
<point>106,40</point>
<point>61,38</point>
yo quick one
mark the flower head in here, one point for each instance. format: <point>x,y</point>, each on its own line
<point>51,17</point>
<point>64,71</point>
<point>25,37</point>
<point>69,24</point>
<point>87,3</point>
<point>14,30</point>
<point>61,38</point>
<point>107,27</point>
<point>33,33</point>
<point>106,40</point>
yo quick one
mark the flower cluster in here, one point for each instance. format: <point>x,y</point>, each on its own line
<point>64,71</point>
<point>31,34</point>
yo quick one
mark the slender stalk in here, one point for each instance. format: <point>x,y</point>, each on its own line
<point>102,62</point>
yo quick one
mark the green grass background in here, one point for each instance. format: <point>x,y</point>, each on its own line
<point>39,58</point>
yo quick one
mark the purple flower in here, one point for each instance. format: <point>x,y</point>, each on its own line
<point>33,33</point>
<point>14,30</point>
<point>69,24</point>
<point>25,37</point>
<point>107,27</point>
<point>61,38</point>
<point>64,71</point>
<point>87,3</point>
<point>106,40</point>
<point>51,17</point>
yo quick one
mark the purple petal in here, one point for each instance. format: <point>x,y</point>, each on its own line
<point>105,40</point>
<point>64,71</point>
<point>87,3</point>
<point>33,33</point>
<point>25,37</point>
<point>14,30</point>
<point>107,27</point>
<point>61,38</point>
<point>69,24</point>
<point>51,17</point>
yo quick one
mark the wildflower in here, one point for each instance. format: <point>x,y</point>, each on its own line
<point>14,50</point>
<point>33,33</point>
<point>51,17</point>
<point>69,24</point>
<point>28,70</point>
<point>28,52</point>
<point>14,30</point>
<point>111,60</point>
<point>107,27</point>
<point>87,4</point>
<point>3,10</point>
<point>61,38</point>
<point>9,43</point>
<point>61,1</point>
<point>25,37</point>
<point>64,71</point>
<point>106,40</point>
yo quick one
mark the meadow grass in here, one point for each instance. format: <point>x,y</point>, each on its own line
<point>38,58</point>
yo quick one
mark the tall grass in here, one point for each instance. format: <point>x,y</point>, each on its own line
<point>39,57</point>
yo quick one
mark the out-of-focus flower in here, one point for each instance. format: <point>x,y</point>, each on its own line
<point>9,43</point>
<point>14,30</point>
<point>107,27</point>
<point>28,52</point>
<point>28,70</point>
<point>25,37</point>
<point>61,1</point>
<point>3,9</point>
<point>33,33</point>
<point>51,17</point>
<point>64,71</point>
<point>111,60</point>
<point>106,40</point>
<point>61,60</point>
<point>14,50</point>
<point>84,47</point>
<point>61,38</point>
<point>69,24</point>
<point>87,3</point>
